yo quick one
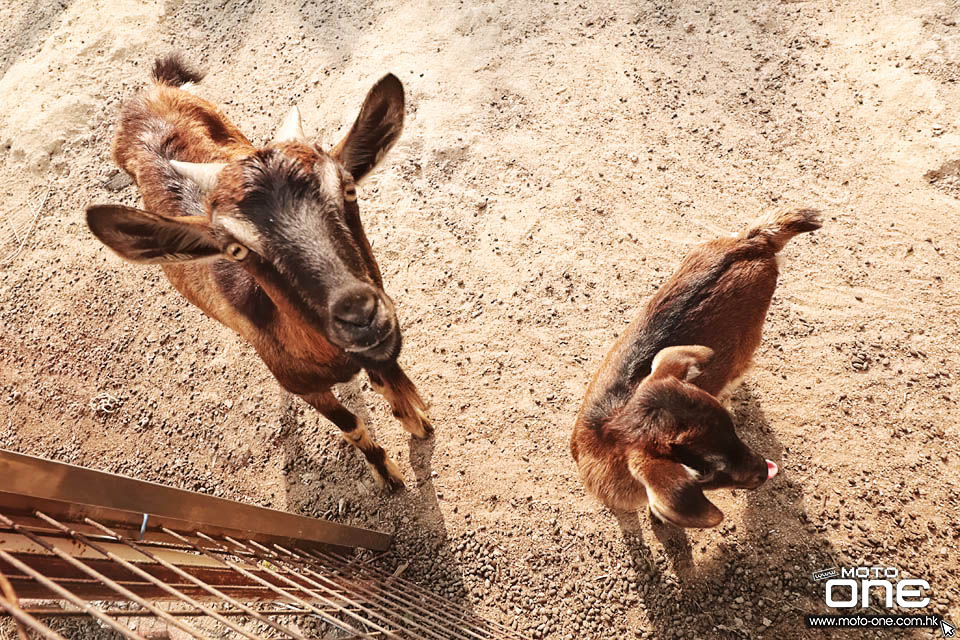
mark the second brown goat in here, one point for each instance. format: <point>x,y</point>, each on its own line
<point>652,429</point>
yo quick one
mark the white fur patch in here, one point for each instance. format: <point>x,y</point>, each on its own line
<point>659,509</point>
<point>693,472</point>
<point>243,231</point>
<point>331,175</point>
<point>656,361</point>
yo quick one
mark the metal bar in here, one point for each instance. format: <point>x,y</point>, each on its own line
<point>244,572</point>
<point>442,604</point>
<point>131,529</point>
<point>145,575</point>
<point>67,595</point>
<point>27,620</point>
<point>258,615</point>
<point>18,543</point>
<point>184,613</point>
<point>348,587</point>
<point>369,593</point>
<point>397,599</point>
<point>440,613</point>
<point>90,589</point>
<point>93,573</point>
<point>310,592</point>
<point>7,592</point>
<point>70,492</point>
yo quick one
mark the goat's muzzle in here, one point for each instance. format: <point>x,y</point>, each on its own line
<point>363,322</point>
<point>759,472</point>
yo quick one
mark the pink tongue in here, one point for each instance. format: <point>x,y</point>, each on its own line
<point>771,468</point>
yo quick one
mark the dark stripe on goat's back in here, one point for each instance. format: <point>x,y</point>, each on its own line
<point>664,317</point>
<point>215,126</point>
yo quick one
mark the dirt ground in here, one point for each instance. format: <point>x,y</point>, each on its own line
<point>558,160</point>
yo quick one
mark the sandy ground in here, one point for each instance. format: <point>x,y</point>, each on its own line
<point>558,160</point>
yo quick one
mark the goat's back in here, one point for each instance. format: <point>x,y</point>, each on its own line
<point>166,123</point>
<point>717,298</point>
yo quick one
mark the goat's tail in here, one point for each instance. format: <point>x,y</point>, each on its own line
<point>780,226</point>
<point>172,71</point>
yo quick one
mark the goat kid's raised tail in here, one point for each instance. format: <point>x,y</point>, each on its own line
<point>779,227</point>
<point>172,71</point>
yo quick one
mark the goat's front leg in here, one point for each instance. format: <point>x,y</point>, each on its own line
<point>408,407</point>
<point>384,470</point>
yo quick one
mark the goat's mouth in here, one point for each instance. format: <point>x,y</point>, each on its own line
<point>753,483</point>
<point>385,347</point>
<point>379,342</point>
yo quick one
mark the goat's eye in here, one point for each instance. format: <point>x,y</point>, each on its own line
<point>237,251</point>
<point>350,193</point>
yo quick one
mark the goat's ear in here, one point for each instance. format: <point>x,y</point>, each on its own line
<point>376,129</point>
<point>673,492</point>
<point>684,362</point>
<point>148,238</point>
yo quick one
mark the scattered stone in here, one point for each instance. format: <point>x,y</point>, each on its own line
<point>119,181</point>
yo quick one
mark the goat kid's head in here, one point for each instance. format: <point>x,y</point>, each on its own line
<point>288,213</point>
<point>690,444</point>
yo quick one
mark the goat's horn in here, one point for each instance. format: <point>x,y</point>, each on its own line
<point>292,128</point>
<point>204,174</point>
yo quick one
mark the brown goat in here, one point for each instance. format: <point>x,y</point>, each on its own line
<point>268,241</point>
<point>652,429</point>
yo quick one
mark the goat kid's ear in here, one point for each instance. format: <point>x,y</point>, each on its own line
<point>376,129</point>
<point>673,493</point>
<point>148,238</point>
<point>684,362</point>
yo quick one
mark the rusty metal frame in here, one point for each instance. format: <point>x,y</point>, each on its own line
<point>63,490</point>
<point>91,540</point>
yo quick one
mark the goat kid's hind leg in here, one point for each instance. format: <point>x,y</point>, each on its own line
<point>384,470</point>
<point>408,407</point>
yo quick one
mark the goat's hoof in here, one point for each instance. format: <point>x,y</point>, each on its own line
<point>419,425</point>
<point>389,478</point>
<point>392,485</point>
<point>655,519</point>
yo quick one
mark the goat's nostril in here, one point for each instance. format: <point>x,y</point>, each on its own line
<point>356,308</point>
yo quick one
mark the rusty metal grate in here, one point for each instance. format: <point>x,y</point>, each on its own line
<point>206,567</point>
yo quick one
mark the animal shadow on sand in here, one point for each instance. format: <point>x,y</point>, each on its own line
<point>326,478</point>
<point>767,563</point>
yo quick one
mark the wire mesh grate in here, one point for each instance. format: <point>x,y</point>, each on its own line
<point>205,584</point>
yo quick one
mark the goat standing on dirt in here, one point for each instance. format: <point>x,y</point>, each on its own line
<point>652,428</point>
<point>269,242</point>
